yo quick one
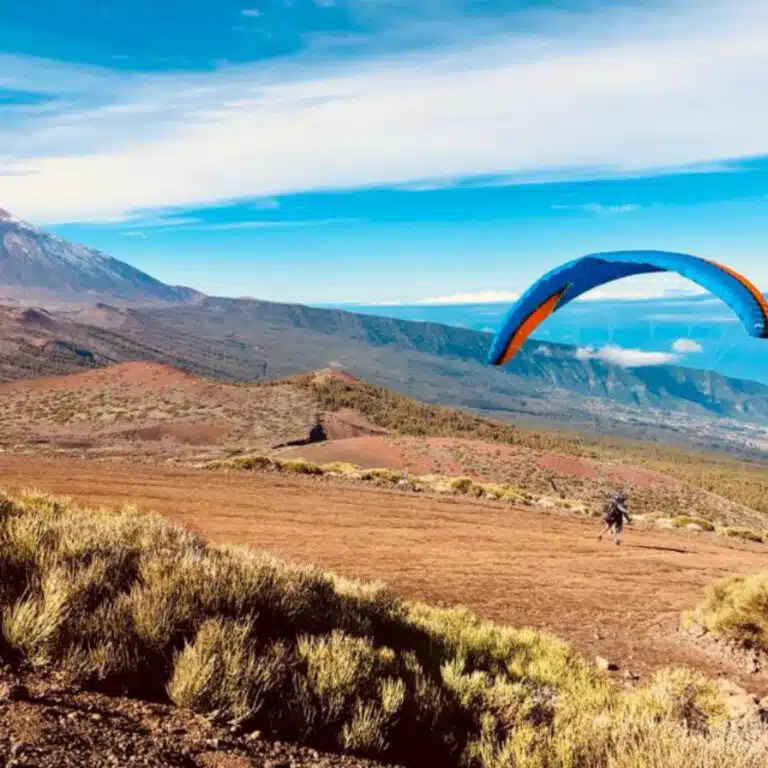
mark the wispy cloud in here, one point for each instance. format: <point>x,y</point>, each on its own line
<point>635,288</point>
<point>665,285</point>
<point>687,346</point>
<point>160,222</point>
<point>251,13</point>
<point>266,204</point>
<point>18,171</point>
<point>649,90</point>
<point>599,208</point>
<point>429,185</point>
<point>277,224</point>
<point>134,233</point>
<point>479,297</point>
<point>625,357</point>
<point>690,317</point>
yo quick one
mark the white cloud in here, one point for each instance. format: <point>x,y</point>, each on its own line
<point>627,358</point>
<point>693,317</point>
<point>275,224</point>
<point>251,13</point>
<point>190,222</point>
<point>663,285</point>
<point>686,346</point>
<point>133,233</point>
<point>649,90</point>
<point>160,222</point>
<point>432,185</point>
<point>599,208</point>
<point>480,297</point>
<point>266,204</point>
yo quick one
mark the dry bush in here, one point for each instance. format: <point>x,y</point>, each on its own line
<point>747,534</point>
<point>300,467</point>
<point>684,520</point>
<point>343,468</point>
<point>126,601</point>
<point>382,475</point>
<point>736,609</point>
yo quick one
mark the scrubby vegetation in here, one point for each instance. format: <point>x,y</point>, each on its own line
<point>736,610</point>
<point>743,482</point>
<point>127,602</point>
<point>683,521</point>
<point>463,486</point>
<point>747,534</point>
<point>390,410</point>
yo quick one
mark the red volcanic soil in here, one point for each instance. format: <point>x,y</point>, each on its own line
<point>419,455</point>
<point>343,424</point>
<point>368,452</point>
<point>189,434</point>
<point>598,470</point>
<point>149,377</point>
<point>482,461</point>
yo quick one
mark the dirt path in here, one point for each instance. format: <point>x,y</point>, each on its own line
<point>519,566</point>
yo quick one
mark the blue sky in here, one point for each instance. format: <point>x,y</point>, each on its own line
<point>380,151</point>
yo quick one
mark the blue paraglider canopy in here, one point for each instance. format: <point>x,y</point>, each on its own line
<point>569,281</point>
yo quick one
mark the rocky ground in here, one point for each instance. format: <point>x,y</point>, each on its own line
<point>44,724</point>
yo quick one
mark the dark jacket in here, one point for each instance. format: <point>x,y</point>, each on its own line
<point>615,511</point>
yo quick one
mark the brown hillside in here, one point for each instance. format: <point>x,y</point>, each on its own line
<point>151,409</point>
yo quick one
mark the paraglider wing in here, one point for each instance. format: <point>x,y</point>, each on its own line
<point>569,281</point>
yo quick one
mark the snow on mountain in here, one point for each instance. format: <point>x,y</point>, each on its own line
<point>36,264</point>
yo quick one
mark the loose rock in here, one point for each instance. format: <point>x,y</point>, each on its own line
<point>605,665</point>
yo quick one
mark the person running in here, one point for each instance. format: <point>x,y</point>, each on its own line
<point>613,517</point>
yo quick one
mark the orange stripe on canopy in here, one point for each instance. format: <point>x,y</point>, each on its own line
<point>528,326</point>
<point>751,287</point>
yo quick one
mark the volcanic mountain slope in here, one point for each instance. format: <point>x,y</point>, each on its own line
<point>37,265</point>
<point>139,410</point>
<point>248,340</point>
<point>430,356</point>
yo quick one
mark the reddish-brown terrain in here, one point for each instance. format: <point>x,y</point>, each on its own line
<point>482,461</point>
<point>149,409</point>
<point>517,565</point>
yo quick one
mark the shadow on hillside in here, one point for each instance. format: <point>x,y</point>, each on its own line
<point>317,434</point>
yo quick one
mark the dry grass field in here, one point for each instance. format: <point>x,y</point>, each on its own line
<point>516,565</point>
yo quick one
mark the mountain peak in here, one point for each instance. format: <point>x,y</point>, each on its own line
<point>7,217</point>
<point>37,265</point>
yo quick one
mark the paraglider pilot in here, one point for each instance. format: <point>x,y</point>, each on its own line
<point>613,517</point>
